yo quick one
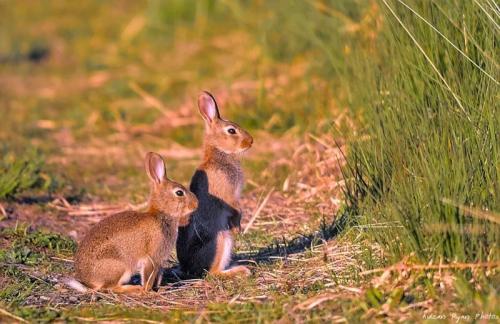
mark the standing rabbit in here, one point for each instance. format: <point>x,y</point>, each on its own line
<point>130,242</point>
<point>205,244</point>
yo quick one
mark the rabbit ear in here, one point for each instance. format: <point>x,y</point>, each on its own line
<point>208,107</point>
<point>155,167</point>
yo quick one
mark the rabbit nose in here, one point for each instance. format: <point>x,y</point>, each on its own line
<point>247,142</point>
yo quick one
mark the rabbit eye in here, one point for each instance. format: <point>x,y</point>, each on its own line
<point>231,131</point>
<point>179,193</point>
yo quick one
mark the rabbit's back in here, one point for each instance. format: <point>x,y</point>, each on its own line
<point>197,243</point>
<point>127,236</point>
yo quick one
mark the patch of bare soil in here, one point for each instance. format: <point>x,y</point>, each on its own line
<point>41,216</point>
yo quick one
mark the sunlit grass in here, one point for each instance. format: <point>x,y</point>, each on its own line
<point>433,131</point>
<point>411,86</point>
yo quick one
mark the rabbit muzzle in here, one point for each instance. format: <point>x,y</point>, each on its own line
<point>193,202</point>
<point>247,143</point>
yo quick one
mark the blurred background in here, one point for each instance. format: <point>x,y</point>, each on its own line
<point>95,84</point>
<point>379,115</point>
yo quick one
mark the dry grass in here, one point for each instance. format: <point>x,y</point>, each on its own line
<point>146,101</point>
<point>283,275</point>
<point>310,194</point>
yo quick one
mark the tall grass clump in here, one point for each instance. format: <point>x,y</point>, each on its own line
<point>427,181</point>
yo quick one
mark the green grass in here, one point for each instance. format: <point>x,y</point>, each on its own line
<point>433,135</point>
<point>22,172</point>
<point>22,235</point>
<point>424,146</point>
<point>32,247</point>
<point>29,251</point>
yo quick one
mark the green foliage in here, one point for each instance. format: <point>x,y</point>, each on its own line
<point>30,251</point>
<point>290,29</point>
<point>216,312</point>
<point>41,239</point>
<point>30,247</point>
<point>21,254</point>
<point>38,314</point>
<point>18,174</point>
<point>426,148</point>
<point>22,172</point>
<point>21,287</point>
<point>434,137</point>
<point>119,313</point>
<point>333,37</point>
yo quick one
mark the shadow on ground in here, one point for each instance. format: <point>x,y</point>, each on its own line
<point>270,254</point>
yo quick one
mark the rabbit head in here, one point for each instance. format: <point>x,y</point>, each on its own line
<point>222,134</point>
<point>167,196</point>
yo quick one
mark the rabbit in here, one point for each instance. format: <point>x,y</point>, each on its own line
<point>205,243</point>
<point>132,241</point>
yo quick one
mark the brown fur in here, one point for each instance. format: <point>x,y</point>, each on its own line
<point>236,271</point>
<point>221,160</point>
<point>131,242</point>
<point>223,143</point>
<point>222,165</point>
<point>225,176</point>
<point>216,265</point>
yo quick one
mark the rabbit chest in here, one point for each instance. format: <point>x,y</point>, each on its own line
<point>226,184</point>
